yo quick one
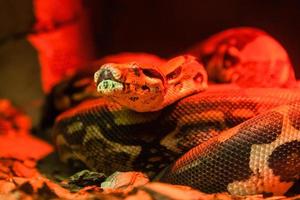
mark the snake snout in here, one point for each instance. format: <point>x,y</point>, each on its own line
<point>106,72</point>
<point>107,80</point>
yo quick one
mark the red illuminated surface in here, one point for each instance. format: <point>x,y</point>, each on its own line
<point>61,37</point>
<point>64,44</point>
<point>16,140</point>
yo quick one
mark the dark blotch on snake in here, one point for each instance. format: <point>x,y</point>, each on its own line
<point>136,71</point>
<point>213,167</point>
<point>294,115</point>
<point>105,85</point>
<point>73,138</point>
<point>285,161</point>
<point>134,98</point>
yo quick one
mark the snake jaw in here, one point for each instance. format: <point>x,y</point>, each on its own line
<point>107,87</point>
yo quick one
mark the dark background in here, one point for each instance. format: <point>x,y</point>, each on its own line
<point>163,27</point>
<point>166,27</point>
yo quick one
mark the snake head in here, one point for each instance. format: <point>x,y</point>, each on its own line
<point>184,76</point>
<point>143,88</point>
<point>135,86</point>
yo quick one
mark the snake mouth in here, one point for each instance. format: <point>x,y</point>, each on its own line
<point>107,80</point>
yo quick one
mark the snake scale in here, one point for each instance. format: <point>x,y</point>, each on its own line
<point>226,138</point>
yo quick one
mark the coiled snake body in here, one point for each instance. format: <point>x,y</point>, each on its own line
<point>241,140</point>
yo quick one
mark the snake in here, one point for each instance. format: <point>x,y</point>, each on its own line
<point>164,119</point>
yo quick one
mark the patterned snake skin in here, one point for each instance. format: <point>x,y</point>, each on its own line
<point>240,140</point>
<point>260,155</point>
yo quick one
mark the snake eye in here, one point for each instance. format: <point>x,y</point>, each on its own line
<point>152,73</point>
<point>174,74</point>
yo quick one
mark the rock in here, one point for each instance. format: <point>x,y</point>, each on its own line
<point>125,180</point>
